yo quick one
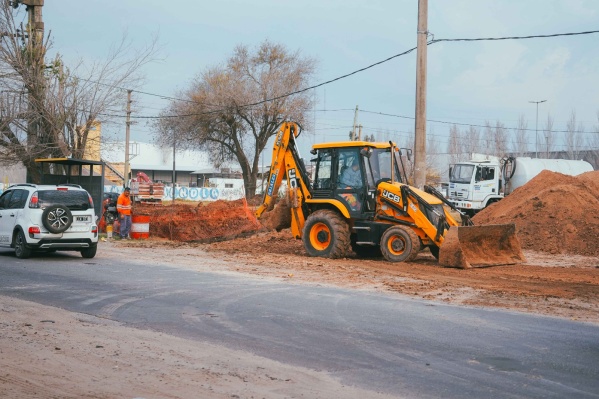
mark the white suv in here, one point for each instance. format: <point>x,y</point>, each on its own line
<point>48,218</point>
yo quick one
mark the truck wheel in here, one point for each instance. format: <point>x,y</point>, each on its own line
<point>326,234</point>
<point>57,218</point>
<point>21,250</point>
<point>400,244</point>
<point>89,252</point>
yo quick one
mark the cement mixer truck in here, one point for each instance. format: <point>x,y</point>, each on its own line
<point>476,184</point>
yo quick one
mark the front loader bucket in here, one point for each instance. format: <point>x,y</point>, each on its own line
<point>481,246</point>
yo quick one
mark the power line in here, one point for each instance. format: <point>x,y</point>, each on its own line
<point>337,78</point>
<point>514,37</point>
<point>473,125</point>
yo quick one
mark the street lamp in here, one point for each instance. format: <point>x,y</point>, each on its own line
<point>537,127</point>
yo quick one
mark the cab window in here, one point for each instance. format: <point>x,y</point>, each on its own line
<point>322,177</point>
<point>349,170</point>
<point>485,173</point>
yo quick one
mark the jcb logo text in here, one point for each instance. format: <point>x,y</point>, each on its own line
<point>393,197</point>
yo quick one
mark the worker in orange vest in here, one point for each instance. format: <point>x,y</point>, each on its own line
<point>123,207</point>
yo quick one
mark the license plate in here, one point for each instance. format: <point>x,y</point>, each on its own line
<point>82,218</point>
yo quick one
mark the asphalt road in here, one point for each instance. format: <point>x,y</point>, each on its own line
<point>387,343</point>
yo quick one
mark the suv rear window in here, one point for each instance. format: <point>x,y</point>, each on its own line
<point>75,200</point>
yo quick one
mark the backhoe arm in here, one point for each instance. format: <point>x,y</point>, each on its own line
<point>277,167</point>
<point>286,162</point>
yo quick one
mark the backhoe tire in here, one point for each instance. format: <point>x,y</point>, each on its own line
<point>326,234</point>
<point>400,244</point>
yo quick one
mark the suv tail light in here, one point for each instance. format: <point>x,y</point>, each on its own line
<point>34,202</point>
<point>62,189</point>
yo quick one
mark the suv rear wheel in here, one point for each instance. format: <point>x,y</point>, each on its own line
<point>89,252</point>
<point>21,250</point>
<point>57,218</point>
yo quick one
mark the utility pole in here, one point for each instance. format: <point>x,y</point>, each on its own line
<point>537,129</point>
<point>353,134</point>
<point>360,133</point>
<point>127,133</point>
<point>35,22</point>
<point>174,165</point>
<point>35,53</point>
<point>420,125</point>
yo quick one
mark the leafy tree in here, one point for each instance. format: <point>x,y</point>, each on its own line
<point>231,111</point>
<point>47,108</point>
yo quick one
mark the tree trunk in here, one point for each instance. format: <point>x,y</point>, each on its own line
<point>249,183</point>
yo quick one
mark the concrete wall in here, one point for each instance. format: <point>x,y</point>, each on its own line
<point>13,174</point>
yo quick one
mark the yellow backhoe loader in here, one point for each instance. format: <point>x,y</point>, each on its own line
<point>358,198</point>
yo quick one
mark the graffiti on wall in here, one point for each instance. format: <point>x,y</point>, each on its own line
<point>186,193</point>
<point>194,193</point>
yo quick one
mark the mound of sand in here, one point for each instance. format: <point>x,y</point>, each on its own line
<point>553,213</point>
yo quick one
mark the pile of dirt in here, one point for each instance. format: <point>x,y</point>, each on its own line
<point>553,213</point>
<point>200,223</point>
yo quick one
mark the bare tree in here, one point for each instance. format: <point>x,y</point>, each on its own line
<point>500,139</point>
<point>549,137</point>
<point>471,142</point>
<point>49,109</point>
<point>488,139</point>
<point>454,146</point>
<point>573,137</point>
<point>520,141</point>
<point>434,169</point>
<point>231,111</point>
<point>593,143</point>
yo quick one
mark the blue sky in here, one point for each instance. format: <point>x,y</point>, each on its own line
<point>468,82</point>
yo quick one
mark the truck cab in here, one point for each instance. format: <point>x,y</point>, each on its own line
<point>473,185</point>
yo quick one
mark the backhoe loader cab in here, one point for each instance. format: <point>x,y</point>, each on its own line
<point>349,172</point>
<point>358,198</point>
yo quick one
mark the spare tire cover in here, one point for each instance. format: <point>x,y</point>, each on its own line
<point>57,218</point>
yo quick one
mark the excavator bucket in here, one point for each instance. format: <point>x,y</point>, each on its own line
<point>481,246</point>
